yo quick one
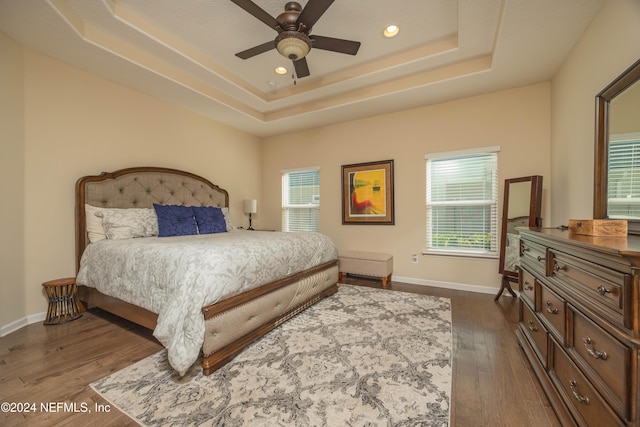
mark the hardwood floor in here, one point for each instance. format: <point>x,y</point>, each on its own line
<point>51,366</point>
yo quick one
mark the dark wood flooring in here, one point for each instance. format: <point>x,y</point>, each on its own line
<point>50,366</point>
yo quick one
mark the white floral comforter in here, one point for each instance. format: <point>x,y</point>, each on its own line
<point>176,276</point>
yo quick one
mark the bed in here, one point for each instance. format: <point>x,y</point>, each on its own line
<point>257,281</point>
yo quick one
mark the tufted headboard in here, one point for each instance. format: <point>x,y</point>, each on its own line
<point>141,187</point>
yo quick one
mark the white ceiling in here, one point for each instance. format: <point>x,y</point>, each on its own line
<point>184,52</point>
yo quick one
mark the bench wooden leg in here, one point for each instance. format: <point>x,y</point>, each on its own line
<point>385,279</point>
<point>340,276</point>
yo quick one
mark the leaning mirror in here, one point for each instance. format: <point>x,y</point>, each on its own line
<point>617,150</point>
<point>521,208</point>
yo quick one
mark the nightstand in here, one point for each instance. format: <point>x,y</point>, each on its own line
<point>63,302</point>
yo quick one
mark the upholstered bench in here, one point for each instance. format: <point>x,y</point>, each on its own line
<point>372,264</point>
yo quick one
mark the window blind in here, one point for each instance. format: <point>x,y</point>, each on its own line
<point>623,189</point>
<point>462,195</point>
<point>301,200</point>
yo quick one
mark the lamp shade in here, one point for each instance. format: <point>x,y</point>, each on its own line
<point>250,206</point>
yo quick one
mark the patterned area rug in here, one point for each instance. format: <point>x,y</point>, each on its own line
<point>362,357</point>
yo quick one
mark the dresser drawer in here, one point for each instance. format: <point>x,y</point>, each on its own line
<point>604,286</point>
<point>583,400</point>
<point>527,286</point>
<point>535,332</point>
<point>534,255</point>
<point>607,357</point>
<point>553,308</point>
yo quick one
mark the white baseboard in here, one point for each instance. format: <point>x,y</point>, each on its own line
<point>20,323</point>
<point>448,285</point>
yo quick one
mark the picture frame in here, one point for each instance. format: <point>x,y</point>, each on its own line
<point>367,193</point>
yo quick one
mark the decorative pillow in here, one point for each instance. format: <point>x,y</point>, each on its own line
<point>174,220</point>
<point>95,230</point>
<point>209,220</point>
<point>513,240</point>
<point>122,224</point>
<point>227,219</point>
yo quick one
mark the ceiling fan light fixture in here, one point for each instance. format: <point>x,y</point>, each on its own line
<point>293,45</point>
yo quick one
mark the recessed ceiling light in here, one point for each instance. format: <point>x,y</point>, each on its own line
<point>280,70</point>
<point>391,31</point>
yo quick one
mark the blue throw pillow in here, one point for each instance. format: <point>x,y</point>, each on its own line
<point>174,220</point>
<point>209,219</point>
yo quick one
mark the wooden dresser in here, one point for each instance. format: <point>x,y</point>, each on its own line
<point>580,323</point>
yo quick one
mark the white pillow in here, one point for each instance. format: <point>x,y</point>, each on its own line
<point>95,230</point>
<point>513,240</point>
<point>227,219</point>
<point>122,224</point>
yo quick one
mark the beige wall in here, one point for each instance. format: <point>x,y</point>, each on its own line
<point>12,209</point>
<point>59,123</point>
<point>607,48</point>
<point>77,123</point>
<point>518,120</point>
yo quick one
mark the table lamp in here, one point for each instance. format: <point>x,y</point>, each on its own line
<point>250,207</point>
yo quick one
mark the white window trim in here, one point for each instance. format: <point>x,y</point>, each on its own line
<point>622,137</point>
<point>309,169</point>
<point>290,207</point>
<point>459,153</point>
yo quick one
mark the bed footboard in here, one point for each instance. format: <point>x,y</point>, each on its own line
<point>235,323</point>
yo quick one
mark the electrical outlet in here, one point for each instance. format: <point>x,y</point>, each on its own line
<point>414,258</point>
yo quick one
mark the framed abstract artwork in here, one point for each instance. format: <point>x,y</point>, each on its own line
<point>367,193</point>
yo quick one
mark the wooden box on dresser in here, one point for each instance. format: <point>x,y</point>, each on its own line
<point>580,323</point>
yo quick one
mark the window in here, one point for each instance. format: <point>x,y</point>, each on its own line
<point>301,200</point>
<point>623,190</point>
<point>462,202</point>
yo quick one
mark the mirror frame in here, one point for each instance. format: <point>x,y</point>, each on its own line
<point>535,209</point>
<point>601,173</point>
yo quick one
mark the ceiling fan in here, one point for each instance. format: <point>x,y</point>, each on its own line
<point>293,26</point>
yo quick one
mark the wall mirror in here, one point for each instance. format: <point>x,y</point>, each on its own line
<point>521,208</point>
<point>617,150</point>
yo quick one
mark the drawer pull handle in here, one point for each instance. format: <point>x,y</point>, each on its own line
<point>558,267</point>
<point>550,308</point>
<point>603,290</point>
<point>582,399</point>
<point>540,258</point>
<point>532,327</point>
<point>528,286</point>
<point>592,351</point>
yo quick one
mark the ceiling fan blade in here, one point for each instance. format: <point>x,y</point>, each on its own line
<point>335,45</point>
<point>302,68</point>
<point>312,12</point>
<point>256,50</point>
<point>259,13</point>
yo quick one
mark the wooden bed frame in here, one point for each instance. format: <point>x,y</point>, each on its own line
<point>230,325</point>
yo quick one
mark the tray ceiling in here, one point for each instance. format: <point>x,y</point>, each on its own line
<point>184,52</point>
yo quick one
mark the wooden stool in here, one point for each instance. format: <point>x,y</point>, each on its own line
<point>63,303</point>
